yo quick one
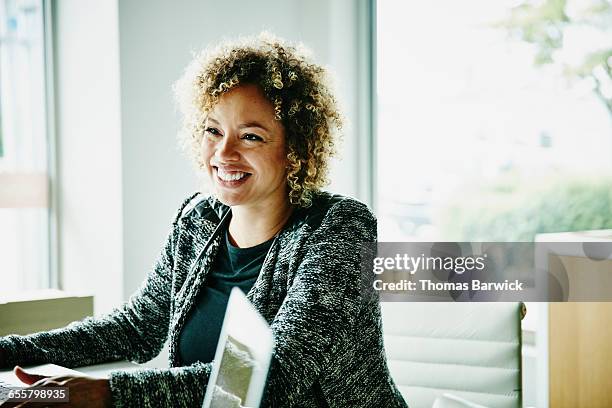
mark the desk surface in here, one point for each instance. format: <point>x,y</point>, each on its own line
<point>103,370</point>
<point>98,370</point>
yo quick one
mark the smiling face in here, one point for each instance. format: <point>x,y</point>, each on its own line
<point>244,150</point>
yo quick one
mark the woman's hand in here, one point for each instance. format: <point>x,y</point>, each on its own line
<point>82,391</point>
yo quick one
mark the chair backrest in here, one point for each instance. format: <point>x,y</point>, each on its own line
<point>472,350</point>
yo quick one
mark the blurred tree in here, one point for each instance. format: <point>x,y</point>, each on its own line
<point>574,35</point>
<point>513,211</point>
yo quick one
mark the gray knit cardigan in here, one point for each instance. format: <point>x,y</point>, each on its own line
<point>328,337</point>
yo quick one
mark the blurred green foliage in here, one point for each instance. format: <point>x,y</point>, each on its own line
<point>545,23</point>
<point>507,211</point>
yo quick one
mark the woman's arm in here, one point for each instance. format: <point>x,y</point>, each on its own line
<point>136,331</point>
<point>322,304</point>
<point>160,388</point>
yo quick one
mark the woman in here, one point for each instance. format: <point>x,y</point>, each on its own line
<point>260,122</point>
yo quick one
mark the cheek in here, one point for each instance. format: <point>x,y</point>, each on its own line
<point>270,167</point>
<point>280,165</point>
<point>206,149</point>
<point>204,156</point>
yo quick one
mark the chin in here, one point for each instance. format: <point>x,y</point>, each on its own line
<point>228,199</point>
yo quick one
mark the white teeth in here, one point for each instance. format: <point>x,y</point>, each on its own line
<point>230,176</point>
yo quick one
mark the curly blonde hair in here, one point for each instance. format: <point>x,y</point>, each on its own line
<point>297,88</point>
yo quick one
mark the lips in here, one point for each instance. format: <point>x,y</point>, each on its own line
<point>230,176</point>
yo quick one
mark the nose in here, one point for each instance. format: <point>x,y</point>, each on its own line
<point>227,149</point>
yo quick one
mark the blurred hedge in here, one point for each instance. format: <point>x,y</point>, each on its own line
<point>509,211</point>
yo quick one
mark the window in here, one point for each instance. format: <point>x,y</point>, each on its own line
<point>492,126</point>
<point>24,148</point>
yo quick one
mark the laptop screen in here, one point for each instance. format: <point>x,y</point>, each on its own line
<point>242,359</point>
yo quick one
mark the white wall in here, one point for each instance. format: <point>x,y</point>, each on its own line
<point>88,129</point>
<point>121,175</point>
<point>156,40</point>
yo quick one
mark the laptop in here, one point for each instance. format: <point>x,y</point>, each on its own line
<point>240,367</point>
<point>242,359</point>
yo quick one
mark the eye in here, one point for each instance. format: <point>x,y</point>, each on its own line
<point>213,131</point>
<point>252,137</point>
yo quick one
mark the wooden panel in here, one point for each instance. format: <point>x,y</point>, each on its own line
<point>580,336</point>
<point>587,279</point>
<point>580,346</point>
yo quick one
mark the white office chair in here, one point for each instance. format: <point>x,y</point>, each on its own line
<point>469,350</point>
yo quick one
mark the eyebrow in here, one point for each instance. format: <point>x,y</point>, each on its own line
<point>244,125</point>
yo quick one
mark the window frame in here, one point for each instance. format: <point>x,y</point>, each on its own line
<point>36,189</point>
<point>51,128</point>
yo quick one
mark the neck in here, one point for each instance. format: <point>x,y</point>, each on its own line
<point>252,225</point>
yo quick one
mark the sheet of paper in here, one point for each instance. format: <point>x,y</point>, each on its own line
<point>7,377</point>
